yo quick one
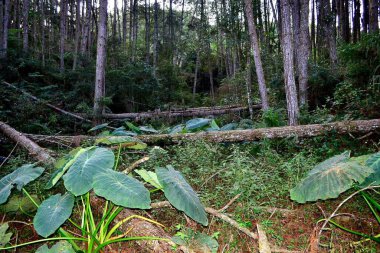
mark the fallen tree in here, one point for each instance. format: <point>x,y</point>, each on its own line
<point>190,112</point>
<point>57,109</point>
<point>302,131</point>
<point>186,112</point>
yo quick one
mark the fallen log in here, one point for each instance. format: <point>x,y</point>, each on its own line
<point>302,131</point>
<point>57,109</point>
<point>191,112</point>
<point>140,227</point>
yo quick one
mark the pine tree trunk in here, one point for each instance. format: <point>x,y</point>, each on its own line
<point>86,28</point>
<point>256,55</point>
<point>373,16</point>
<point>42,27</point>
<point>125,4</point>
<point>288,59</point>
<point>248,83</point>
<point>25,26</point>
<point>155,37</point>
<point>197,63</point>
<point>77,34</point>
<point>62,35</point>
<point>302,43</point>
<point>4,42</point>
<point>365,20</point>
<point>356,21</point>
<point>100,62</point>
<point>147,31</point>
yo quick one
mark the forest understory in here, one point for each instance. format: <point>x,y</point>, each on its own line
<point>189,126</point>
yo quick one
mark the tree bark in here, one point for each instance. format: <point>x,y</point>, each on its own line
<point>62,35</point>
<point>4,42</point>
<point>25,26</point>
<point>77,34</point>
<point>288,60</point>
<point>302,44</point>
<point>256,55</point>
<point>197,63</point>
<point>248,83</point>
<point>155,38</point>
<point>100,63</point>
<point>34,150</point>
<point>356,21</point>
<point>86,29</point>
<point>373,16</point>
<point>301,131</point>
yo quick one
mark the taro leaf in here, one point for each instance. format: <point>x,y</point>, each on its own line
<point>149,177</point>
<point>195,124</point>
<point>16,203</point>
<point>121,189</point>
<point>63,165</point>
<point>206,242</point>
<point>360,159</point>
<point>4,236</point>
<point>180,194</point>
<point>20,177</point>
<point>133,128</point>
<point>148,129</point>
<point>330,163</point>
<point>230,126</point>
<point>329,181</point>
<point>79,177</point>
<point>373,162</point>
<point>126,141</point>
<point>98,127</point>
<point>123,132</point>
<point>214,125</point>
<point>52,213</point>
<point>176,129</point>
<point>59,247</point>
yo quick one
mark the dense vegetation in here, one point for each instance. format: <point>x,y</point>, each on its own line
<point>285,62</point>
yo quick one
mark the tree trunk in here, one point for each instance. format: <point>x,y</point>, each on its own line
<point>86,28</point>
<point>42,27</point>
<point>4,37</point>
<point>373,16</point>
<point>365,20</point>
<point>197,63</point>
<point>147,31</point>
<point>100,62</point>
<point>248,83</point>
<point>155,38</point>
<point>62,35</point>
<point>25,26</point>
<point>256,55</point>
<point>125,4</point>
<point>302,131</point>
<point>288,59</point>
<point>77,35</point>
<point>302,43</point>
<point>356,21</point>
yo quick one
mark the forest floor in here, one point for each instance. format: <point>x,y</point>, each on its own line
<point>262,173</point>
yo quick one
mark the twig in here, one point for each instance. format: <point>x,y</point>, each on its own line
<point>264,246</point>
<point>6,159</point>
<point>229,203</point>
<point>216,214</point>
<point>135,164</point>
<point>213,175</point>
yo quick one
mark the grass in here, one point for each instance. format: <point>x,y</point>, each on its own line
<point>263,173</point>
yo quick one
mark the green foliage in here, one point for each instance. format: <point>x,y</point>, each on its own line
<point>19,178</point>
<point>180,194</point>
<point>4,236</point>
<point>115,186</point>
<point>52,213</point>
<point>59,247</point>
<point>272,118</point>
<point>195,241</point>
<point>330,178</point>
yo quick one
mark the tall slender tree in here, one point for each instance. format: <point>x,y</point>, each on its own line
<point>100,62</point>
<point>25,26</point>
<point>62,35</point>
<point>4,42</point>
<point>373,16</point>
<point>288,59</point>
<point>256,54</point>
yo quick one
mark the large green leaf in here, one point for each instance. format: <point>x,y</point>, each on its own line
<point>195,124</point>
<point>121,189</point>
<point>126,141</point>
<point>20,203</point>
<point>133,128</point>
<point>331,162</point>
<point>59,247</point>
<point>149,177</point>
<point>98,127</point>
<point>52,213</point>
<point>148,129</point>
<point>63,165</point>
<point>373,162</point>
<point>176,129</point>
<point>180,194</point>
<point>20,177</point>
<point>329,181</point>
<point>79,177</point>
<point>4,236</point>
